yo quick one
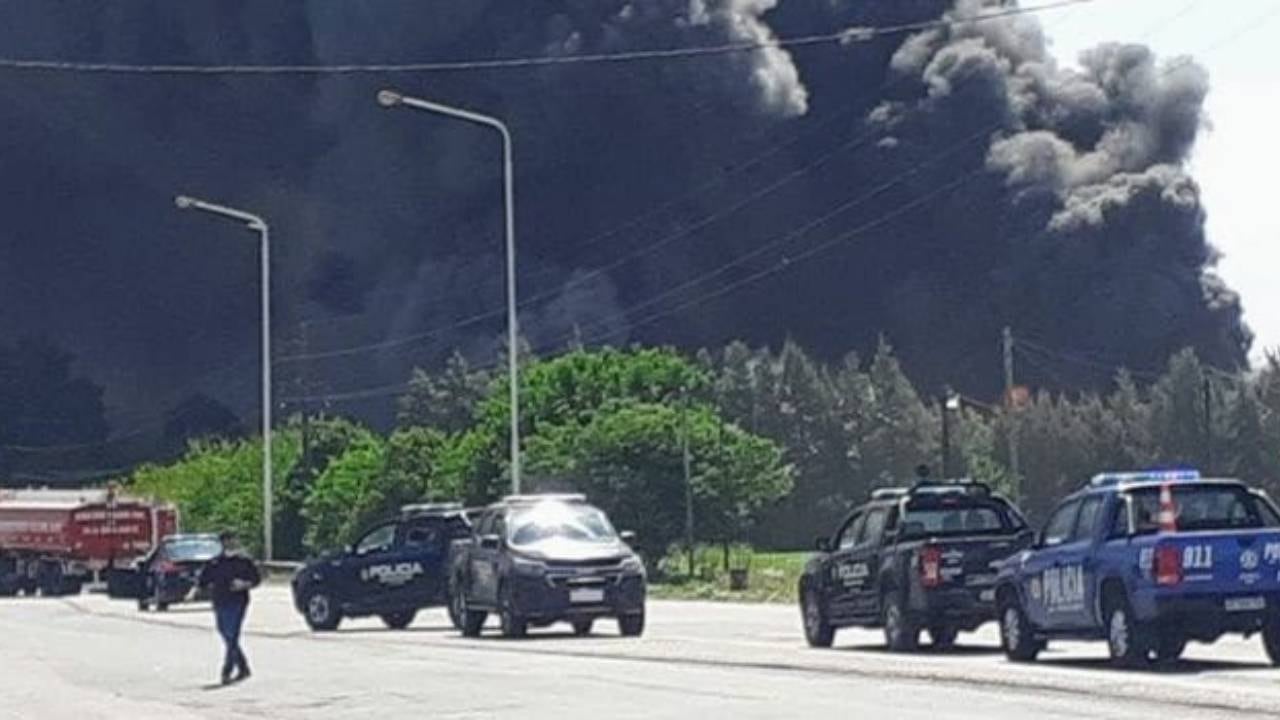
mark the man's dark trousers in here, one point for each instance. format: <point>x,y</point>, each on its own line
<point>230,618</point>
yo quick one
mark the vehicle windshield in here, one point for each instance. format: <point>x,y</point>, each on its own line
<point>192,549</point>
<point>1203,507</point>
<point>957,515</point>
<point>547,520</point>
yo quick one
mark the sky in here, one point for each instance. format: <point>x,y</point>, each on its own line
<point>1234,158</point>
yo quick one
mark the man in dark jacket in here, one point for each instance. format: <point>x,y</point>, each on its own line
<point>229,577</point>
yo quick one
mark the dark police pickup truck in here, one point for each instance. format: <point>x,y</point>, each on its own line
<point>541,559</point>
<point>395,569</point>
<point>1147,561</point>
<point>923,557</point>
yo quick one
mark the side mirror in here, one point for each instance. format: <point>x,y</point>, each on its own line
<point>627,536</point>
<point>490,542</point>
<point>822,544</point>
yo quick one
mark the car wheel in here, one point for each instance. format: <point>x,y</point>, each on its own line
<point>321,612</point>
<point>457,607</point>
<point>582,628</point>
<point>1271,640</point>
<point>901,634</point>
<point>817,631</point>
<point>942,637</point>
<point>631,625</point>
<point>399,620</point>
<point>143,605</point>
<point>1016,636</point>
<point>1124,638</point>
<point>513,625</point>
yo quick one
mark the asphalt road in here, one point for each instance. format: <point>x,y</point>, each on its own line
<point>89,657</point>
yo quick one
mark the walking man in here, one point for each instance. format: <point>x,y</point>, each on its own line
<point>228,579</point>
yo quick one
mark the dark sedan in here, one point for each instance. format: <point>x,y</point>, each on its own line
<point>169,574</point>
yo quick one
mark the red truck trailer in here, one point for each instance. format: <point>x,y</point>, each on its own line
<point>54,541</point>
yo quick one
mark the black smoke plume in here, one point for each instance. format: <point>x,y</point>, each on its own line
<point>1058,201</point>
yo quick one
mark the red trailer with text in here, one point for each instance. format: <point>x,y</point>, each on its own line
<point>54,541</point>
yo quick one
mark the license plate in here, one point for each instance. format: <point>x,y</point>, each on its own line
<point>586,595</point>
<point>1246,604</point>
<point>987,595</point>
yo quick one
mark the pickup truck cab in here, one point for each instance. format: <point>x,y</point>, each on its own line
<point>395,569</point>
<point>912,559</point>
<point>535,560</point>
<point>1147,562</point>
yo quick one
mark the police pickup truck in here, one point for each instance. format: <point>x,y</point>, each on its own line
<point>395,569</point>
<point>1147,561</point>
<point>923,557</point>
<point>540,559</point>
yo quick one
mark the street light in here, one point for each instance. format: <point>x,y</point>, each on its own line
<point>390,99</point>
<point>258,225</point>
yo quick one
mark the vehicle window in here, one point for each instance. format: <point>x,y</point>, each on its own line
<point>955,515</point>
<point>498,527</point>
<point>1090,516</point>
<point>1119,520</point>
<point>1200,507</point>
<point>560,521</point>
<point>1270,518</point>
<point>422,536</point>
<point>849,534</point>
<point>1061,523</point>
<point>379,538</point>
<point>192,549</point>
<point>485,526</point>
<point>873,528</point>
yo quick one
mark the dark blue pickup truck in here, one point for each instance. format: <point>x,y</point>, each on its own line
<point>395,569</point>
<point>1147,562</point>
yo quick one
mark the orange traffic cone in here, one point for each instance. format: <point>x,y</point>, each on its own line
<point>1168,512</point>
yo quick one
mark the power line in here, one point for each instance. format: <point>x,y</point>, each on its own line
<point>856,34</point>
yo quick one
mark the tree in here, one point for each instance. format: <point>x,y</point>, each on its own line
<point>447,401</point>
<point>902,432</point>
<point>629,460</point>
<point>340,498</point>
<point>44,404</point>
<point>217,484</point>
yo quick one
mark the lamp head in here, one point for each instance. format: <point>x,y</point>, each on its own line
<point>389,98</point>
<point>183,202</point>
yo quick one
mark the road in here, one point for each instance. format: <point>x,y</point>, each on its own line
<point>88,657</point>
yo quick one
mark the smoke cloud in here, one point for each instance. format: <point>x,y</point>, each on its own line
<point>1070,215</point>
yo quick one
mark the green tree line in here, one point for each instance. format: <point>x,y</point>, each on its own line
<point>780,445</point>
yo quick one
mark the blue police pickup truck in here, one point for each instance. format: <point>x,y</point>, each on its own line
<point>1147,562</point>
<point>395,569</point>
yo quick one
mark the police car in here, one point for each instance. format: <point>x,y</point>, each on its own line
<point>395,569</point>
<point>912,559</point>
<point>539,559</point>
<point>1147,561</point>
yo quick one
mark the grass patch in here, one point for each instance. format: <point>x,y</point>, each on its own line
<point>771,577</point>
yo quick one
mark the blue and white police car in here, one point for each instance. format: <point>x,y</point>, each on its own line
<point>1147,561</point>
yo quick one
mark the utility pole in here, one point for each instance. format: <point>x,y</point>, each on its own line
<point>688,477</point>
<point>1011,410</point>
<point>946,433</point>
<point>1208,424</point>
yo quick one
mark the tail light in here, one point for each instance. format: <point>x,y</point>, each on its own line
<point>930,566</point>
<point>1168,565</point>
<point>1168,510</point>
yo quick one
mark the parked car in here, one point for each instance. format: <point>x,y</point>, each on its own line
<point>918,558</point>
<point>535,560</point>
<point>1147,562</point>
<point>395,569</point>
<point>168,575</point>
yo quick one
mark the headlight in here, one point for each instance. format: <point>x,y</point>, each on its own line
<point>633,565</point>
<point>527,566</point>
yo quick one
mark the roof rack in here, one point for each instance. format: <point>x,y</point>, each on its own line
<point>889,493</point>
<point>431,508</point>
<point>1109,479</point>
<point>545,497</point>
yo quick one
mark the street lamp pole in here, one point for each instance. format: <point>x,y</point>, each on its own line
<point>391,98</point>
<point>258,225</point>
